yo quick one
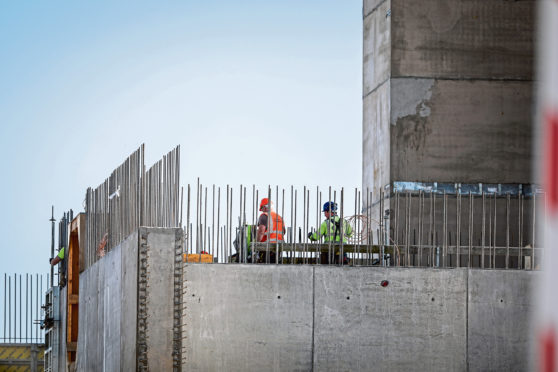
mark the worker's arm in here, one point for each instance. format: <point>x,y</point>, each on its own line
<point>318,234</point>
<point>59,257</point>
<point>349,230</point>
<point>261,233</point>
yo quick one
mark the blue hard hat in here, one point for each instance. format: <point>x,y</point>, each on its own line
<point>330,206</point>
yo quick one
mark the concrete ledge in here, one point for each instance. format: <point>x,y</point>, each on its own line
<point>270,317</point>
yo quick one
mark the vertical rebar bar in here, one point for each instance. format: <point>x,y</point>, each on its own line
<point>520,232</point>
<point>229,240</point>
<point>369,228</point>
<point>27,306</point>
<point>432,228</point>
<point>533,231</point>
<point>219,251</point>
<point>328,225</point>
<point>469,260</point>
<point>205,223</point>
<point>284,228</point>
<point>304,225</point>
<point>396,257</point>
<point>52,220</point>
<point>268,228</point>
<point>318,242</point>
<point>458,230</point>
<point>213,221</point>
<point>295,254</point>
<point>407,228</point>
<point>420,227</point>
<point>494,231</point>
<point>277,233</point>
<point>483,231</point>
<point>342,228</point>
<point>5,282</point>
<point>20,332</point>
<point>445,231</point>
<point>507,231</point>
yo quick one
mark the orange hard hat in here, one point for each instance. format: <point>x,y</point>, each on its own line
<point>264,202</point>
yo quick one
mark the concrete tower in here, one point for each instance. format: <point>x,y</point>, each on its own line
<point>447,92</point>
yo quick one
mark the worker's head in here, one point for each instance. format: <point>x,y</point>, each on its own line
<point>266,205</point>
<point>330,209</point>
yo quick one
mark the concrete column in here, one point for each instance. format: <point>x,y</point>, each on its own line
<point>447,91</point>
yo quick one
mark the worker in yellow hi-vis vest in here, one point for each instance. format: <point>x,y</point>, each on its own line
<point>331,230</point>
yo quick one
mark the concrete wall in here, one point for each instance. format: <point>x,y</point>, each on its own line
<point>256,317</point>
<point>376,97</point>
<point>127,304</point>
<point>460,91</point>
<point>499,303</point>
<point>248,318</point>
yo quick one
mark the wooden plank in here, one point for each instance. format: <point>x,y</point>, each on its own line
<point>73,299</point>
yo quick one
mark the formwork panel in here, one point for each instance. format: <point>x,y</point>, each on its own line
<point>416,323</point>
<point>247,318</point>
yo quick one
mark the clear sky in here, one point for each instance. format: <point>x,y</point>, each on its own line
<point>83,84</point>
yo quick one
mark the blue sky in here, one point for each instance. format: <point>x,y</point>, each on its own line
<point>85,83</point>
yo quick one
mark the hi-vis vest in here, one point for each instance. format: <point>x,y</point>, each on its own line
<point>275,234</point>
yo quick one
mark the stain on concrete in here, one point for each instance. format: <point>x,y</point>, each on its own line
<point>410,97</point>
<point>442,15</point>
<point>411,132</point>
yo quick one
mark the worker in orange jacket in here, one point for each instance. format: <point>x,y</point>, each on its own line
<point>270,225</point>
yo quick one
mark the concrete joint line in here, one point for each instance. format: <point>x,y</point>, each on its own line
<point>457,79</point>
<point>313,312</point>
<point>373,9</point>
<point>377,87</point>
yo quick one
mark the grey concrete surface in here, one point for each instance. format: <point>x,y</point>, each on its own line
<point>370,5</point>
<point>247,318</point>
<point>160,297</point>
<point>376,140</point>
<point>416,323</point>
<point>460,91</point>
<point>474,39</point>
<point>377,48</point>
<point>499,312</point>
<point>112,315</point>
<point>460,131</point>
<point>62,356</point>
<point>342,319</point>
<point>128,325</point>
<point>108,305</point>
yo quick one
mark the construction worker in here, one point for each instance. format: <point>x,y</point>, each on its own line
<point>331,230</point>
<point>269,230</point>
<point>59,257</point>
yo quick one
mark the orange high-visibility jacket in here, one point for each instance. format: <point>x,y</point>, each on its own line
<point>276,225</point>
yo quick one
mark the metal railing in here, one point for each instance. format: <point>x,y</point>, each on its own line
<point>424,228</point>
<point>22,310</point>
